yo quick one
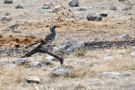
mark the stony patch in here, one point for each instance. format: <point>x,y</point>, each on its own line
<point>68,47</point>
<point>6,18</point>
<point>8,1</point>
<point>61,71</point>
<point>94,17</point>
<point>73,3</point>
<point>46,61</point>
<point>33,79</point>
<point>34,65</point>
<point>20,61</point>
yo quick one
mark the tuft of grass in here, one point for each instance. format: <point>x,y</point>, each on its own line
<point>79,52</point>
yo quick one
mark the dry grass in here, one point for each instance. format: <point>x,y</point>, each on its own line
<point>79,52</point>
<point>88,75</point>
<point>92,69</point>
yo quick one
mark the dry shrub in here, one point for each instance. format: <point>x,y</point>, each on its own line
<point>15,78</point>
<point>76,73</point>
<point>79,52</point>
<point>119,62</point>
<point>10,76</point>
<point>63,13</point>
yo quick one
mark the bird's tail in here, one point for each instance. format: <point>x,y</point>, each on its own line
<point>33,44</point>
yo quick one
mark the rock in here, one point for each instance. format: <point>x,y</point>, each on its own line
<point>112,73</point>
<point>121,0</point>
<point>68,47</point>
<point>6,18</point>
<point>46,6</point>
<point>12,25</point>
<point>125,74</point>
<point>105,59</point>
<point>46,61</point>
<point>81,17</point>
<point>8,1</point>
<point>102,7</point>
<point>82,9</point>
<point>70,61</point>
<point>73,3</point>
<point>132,54</point>
<point>7,14</point>
<point>34,64</point>
<point>58,7</point>
<point>94,17</point>
<point>131,18</point>
<point>128,13</point>
<point>11,65</point>
<point>4,62</point>
<point>50,58</point>
<point>7,63</point>
<point>19,7</point>
<point>125,9</point>
<point>33,79</point>
<point>61,71</point>
<point>20,61</point>
<point>133,48</point>
<point>113,7</point>
<point>82,62</point>
<point>124,36</point>
<point>109,53</point>
<point>103,14</point>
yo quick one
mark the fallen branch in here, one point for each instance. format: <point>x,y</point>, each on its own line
<point>42,50</point>
<point>108,44</point>
<point>33,51</point>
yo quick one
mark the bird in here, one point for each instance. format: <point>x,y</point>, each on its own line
<point>47,41</point>
<point>49,38</point>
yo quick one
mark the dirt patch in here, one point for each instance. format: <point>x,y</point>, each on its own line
<point>13,41</point>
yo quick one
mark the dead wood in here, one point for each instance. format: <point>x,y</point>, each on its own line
<point>43,50</point>
<point>40,49</point>
<point>108,44</point>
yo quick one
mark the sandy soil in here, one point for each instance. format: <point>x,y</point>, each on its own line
<point>34,24</point>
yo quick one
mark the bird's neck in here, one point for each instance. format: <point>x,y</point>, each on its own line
<point>53,31</point>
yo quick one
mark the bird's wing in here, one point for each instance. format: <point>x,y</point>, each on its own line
<point>49,38</point>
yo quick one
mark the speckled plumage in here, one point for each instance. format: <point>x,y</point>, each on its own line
<point>50,37</point>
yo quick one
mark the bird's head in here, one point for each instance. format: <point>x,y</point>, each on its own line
<point>52,28</point>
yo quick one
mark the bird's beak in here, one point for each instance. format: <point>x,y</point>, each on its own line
<point>57,26</point>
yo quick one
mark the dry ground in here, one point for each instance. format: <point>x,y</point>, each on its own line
<point>33,21</point>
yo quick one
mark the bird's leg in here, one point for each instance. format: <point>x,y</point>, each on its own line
<point>43,50</point>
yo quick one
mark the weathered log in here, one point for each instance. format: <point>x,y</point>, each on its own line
<point>33,51</point>
<point>42,50</point>
<point>108,44</point>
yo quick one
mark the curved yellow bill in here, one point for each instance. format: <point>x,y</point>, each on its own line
<point>57,25</point>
